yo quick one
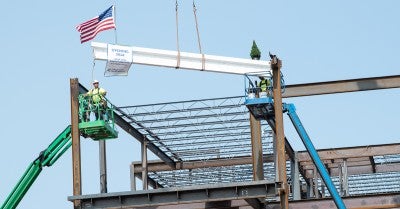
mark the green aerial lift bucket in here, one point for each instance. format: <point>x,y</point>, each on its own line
<point>98,130</point>
<point>103,126</point>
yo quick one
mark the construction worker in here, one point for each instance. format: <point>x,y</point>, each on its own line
<point>263,86</point>
<point>97,102</point>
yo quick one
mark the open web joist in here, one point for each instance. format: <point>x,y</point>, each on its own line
<point>211,139</point>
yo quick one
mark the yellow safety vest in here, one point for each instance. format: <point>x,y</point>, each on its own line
<point>97,94</point>
<point>264,84</point>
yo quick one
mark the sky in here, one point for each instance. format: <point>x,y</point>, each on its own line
<point>316,41</point>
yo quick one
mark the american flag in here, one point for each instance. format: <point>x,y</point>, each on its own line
<point>92,27</point>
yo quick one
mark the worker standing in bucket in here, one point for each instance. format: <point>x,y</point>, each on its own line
<point>97,100</point>
<point>263,86</point>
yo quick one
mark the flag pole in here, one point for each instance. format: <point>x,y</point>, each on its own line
<point>115,20</point>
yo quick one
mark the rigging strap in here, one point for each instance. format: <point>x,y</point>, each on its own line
<point>178,58</point>
<point>198,37</point>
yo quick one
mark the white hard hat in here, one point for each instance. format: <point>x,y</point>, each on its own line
<point>95,81</point>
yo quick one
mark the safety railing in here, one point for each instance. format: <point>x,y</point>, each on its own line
<point>90,110</point>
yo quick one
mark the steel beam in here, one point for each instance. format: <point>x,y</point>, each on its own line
<point>150,181</point>
<point>158,165</point>
<point>353,152</point>
<point>144,165</point>
<point>254,203</point>
<point>280,165</point>
<point>103,166</point>
<point>76,143</point>
<point>365,169</point>
<point>191,61</point>
<point>308,165</point>
<point>295,176</point>
<point>379,201</point>
<point>342,86</point>
<point>181,195</point>
<point>257,155</point>
<point>344,182</point>
<point>136,134</point>
<point>132,177</point>
<point>373,165</point>
<point>354,167</point>
<point>227,204</point>
<point>256,149</point>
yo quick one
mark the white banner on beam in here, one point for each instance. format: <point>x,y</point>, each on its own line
<point>119,60</point>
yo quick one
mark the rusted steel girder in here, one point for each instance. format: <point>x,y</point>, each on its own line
<point>352,152</point>
<point>280,165</point>
<point>76,145</point>
<point>158,165</point>
<point>256,149</point>
<point>342,86</point>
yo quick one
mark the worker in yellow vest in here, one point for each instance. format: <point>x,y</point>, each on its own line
<point>263,86</point>
<point>97,100</point>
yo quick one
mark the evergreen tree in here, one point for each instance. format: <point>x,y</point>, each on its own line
<point>255,52</point>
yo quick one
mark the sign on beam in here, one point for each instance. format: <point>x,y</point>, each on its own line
<point>119,60</point>
<point>191,61</point>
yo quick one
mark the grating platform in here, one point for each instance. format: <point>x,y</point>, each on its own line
<point>260,108</point>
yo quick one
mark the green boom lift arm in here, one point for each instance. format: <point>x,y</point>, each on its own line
<point>100,129</point>
<point>46,158</point>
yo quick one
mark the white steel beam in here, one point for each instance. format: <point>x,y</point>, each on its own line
<point>191,61</point>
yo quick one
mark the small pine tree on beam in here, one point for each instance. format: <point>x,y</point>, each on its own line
<point>255,53</point>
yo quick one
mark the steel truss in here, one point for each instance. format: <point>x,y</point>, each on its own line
<point>208,142</point>
<point>215,133</point>
<point>197,129</point>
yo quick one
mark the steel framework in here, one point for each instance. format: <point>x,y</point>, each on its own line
<point>199,130</point>
<point>206,142</point>
<point>211,140</point>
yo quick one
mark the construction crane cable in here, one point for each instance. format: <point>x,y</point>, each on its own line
<point>178,58</point>
<point>94,65</point>
<point>198,37</point>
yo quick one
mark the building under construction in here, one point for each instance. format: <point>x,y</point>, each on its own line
<point>230,152</point>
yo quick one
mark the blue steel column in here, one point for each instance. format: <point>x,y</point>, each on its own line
<point>314,155</point>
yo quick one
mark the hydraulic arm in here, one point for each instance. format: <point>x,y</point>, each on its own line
<point>46,158</point>
<point>291,111</point>
<point>262,109</point>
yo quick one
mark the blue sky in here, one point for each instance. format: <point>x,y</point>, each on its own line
<point>317,41</point>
